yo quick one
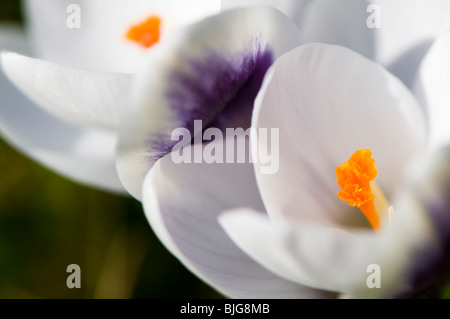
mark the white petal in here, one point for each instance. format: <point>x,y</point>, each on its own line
<point>86,156</point>
<point>182,202</point>
<point>332,259</point>
<point>75,95</point>
<point>100,43</point>
<point>197,75</point>
<point>432,89</point>
<point>406,30</point>
<point>292,8</point>
<point>328,102</point>
<point>339,22</point>
<point>430,195</point>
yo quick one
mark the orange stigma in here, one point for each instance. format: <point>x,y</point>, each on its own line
<point>146,34</point>
<point>354,178</point>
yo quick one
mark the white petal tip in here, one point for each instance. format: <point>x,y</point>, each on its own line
<point>4,56</point>
<point>231,216</point>
<point>231,221</point>
<point>8,59</point>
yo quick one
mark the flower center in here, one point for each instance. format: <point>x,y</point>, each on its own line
<point>146,34</point>
<point>355,178</point>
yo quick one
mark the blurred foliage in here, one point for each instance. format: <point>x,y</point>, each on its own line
<point>48,222</point>
<point>11,10</point>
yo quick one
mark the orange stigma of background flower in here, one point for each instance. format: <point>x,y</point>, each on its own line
<point>354,178</point>
<point>147,33</point>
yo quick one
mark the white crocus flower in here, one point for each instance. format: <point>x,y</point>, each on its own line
<point>210,71</point>
<point>291,236</point>
<point>395,33</point>
<point>84,55</point>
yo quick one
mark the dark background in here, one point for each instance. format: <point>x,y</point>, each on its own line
<point>48,222</point>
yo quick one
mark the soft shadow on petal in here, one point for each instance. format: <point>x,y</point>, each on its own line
<point>182,203</point>
<point>100,43</point>
<point>432,89</point>
<point>388,32</point>
<point>406,66</point>
<point>209,71</point>
<point>328,102</point>
<point>406,28</point>
<point>75,95</point>
<point>431,193</point>
<point>339,22</point>
<point>292,8</point>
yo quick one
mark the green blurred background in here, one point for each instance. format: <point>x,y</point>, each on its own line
<point>48,222</point>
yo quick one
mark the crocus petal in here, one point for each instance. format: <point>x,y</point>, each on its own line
<point>83,155</point>
<point>338,22</point>
<point>333,259</point>
<point>328,102</point>
<point>86,156</point>
<point>408,29</point>
<point>292,8</point>
<point>432,89</point>
<point>396,34</point>
<point>100,43</point>
<point>301,253</point>
<point>209,71</point>
<point>431,193</point>
<point>75,95</point>
<point>182,202</point>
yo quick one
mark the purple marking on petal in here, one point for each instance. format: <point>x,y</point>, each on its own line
<point>219,90</point>
<point>439,212</point>
<point>238,112</point>
<point>430,262</point>
<point>431,259</point>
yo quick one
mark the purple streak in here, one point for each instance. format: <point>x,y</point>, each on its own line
<point>431,262</point>
<point>218,89</point>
